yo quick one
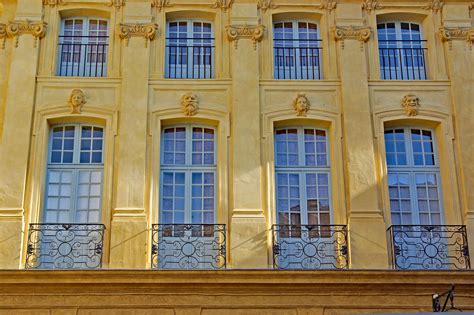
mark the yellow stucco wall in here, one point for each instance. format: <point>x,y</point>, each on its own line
<point>244,103</point>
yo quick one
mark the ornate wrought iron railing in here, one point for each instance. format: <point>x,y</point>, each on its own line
<point>65,246</point>
<point>402,59</point>
<point>193,59</point>
<point>429,247</point>
<point>297,59</point>
<point>82,56</point>
<point>188,246</point>
<point>310,247</point>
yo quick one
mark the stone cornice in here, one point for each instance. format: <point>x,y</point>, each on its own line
<point>160,4</point>
<point>360,33</point>
<point>222,4</point>
<point>448,34</point>
<point>238,32</point>
<point>14,29</point>
<point>147,31</point>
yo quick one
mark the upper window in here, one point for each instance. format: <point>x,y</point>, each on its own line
<point>83,47</point>
<point>402,51</point>
<point>74,175</point>
<point>413,177</point>
<point>296,50</point>
<point>189,50</point>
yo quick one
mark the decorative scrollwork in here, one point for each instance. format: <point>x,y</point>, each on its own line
<point>264,5</point>
<point>360,33</point>
<point>188,246</point>
<point>310,247</point>
<point>461,33</point>
<point>3,34</point>
<point>147,31</point>
<point>160,4</point>
<point>430,247</point>
<point>116,3</point>
<point>435,5</point>
<point>65,246</point>
<point>53,3</point>
<point>327,5</point>
<point>371,5</point>
<point>224,5</point>
<point>253,32</point>
<point>17,28</point>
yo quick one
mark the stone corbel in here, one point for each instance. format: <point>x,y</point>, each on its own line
<point>147,31</point>
<point>116,3</point>
<point>160,4</point>
<point>17,28</point>
<point>237,32</point>
<point>53,3</point>
<point>435,5</point>
<point>461,33</point>
<point>371,5</point>
<point>222,4</point>
<point>328,5</point>
<point>264,5</point>
<point>360,33</point>
<point>3,34</point>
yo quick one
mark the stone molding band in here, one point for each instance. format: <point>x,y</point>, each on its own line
<point>238,32</point>
<point>14,29</point>
<point>147,31</point>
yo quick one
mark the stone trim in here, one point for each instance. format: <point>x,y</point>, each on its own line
<point>238,32</point>
<point>147,31</point>
<point>15,29</point>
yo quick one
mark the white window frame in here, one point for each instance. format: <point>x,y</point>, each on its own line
<point>84,40</point>
<point>188,169</point>
<point>411,170</point>
<point>75,167</point>
<point>297,69</point>
<point>302,170</point>
<point>200,69</point>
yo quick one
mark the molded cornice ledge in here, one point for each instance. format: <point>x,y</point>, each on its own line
<point>147,31</point>
<point>237,32</point>
<point>360,33</point>
<point>448,34</point>
<point>17,28</point>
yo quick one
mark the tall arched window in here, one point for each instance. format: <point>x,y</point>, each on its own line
<point>296,50</point>
<point>402,51</point>
<point>83,47</point>
<point>189,50</point>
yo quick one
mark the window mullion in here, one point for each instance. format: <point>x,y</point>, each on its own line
<point>74,193</point>
<point>188,196</point>
<point>303,199</point>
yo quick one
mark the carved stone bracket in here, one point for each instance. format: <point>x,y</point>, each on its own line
<point>222,4</point>
<point>361,33</point>
<point>147,31</point>
<point>160,4</point>
<point>371,5</point>
<point>116,3</point>
<point>3,34</point>
<point>264,5</point>
<point>237,32</point>
<point>328,5</point>
<point>461,33</point>
<point>435,5</point>
<point>17,28</point>
<point>411,103</point>
<point>53,3</point>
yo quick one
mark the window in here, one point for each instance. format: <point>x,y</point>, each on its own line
<point>413,177</point>
<point>83,47</point>
<point>74,175</point>
<point>402,51</point>
<point>297,51</point>
<point>302,177</point>
<point>188,175</point>
<point>189,50</point>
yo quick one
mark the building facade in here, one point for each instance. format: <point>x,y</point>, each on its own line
<point>235,156</point>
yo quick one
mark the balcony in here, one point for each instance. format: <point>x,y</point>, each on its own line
<point>82,56</point>
<point>310,247</point>
<point>192,59</point>
<point>431,247</point>
<point>188,246</point>
<point>402,59</point>
<point>297,59</point>
<point>65,246</point>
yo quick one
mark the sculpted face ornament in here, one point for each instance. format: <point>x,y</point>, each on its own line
<point>189,104</point>
<point>76,101</point>
<point>301,105</point>
<point>411,103</point>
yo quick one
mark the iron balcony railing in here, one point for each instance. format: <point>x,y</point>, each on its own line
<point>296,59</point>
<point>82,56</point>
<point>402,59</point>
<point>188,246</point>
<point>310,247</point>
<point>189,58</point>
<point>65,246</point>
<point>429,247</point>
